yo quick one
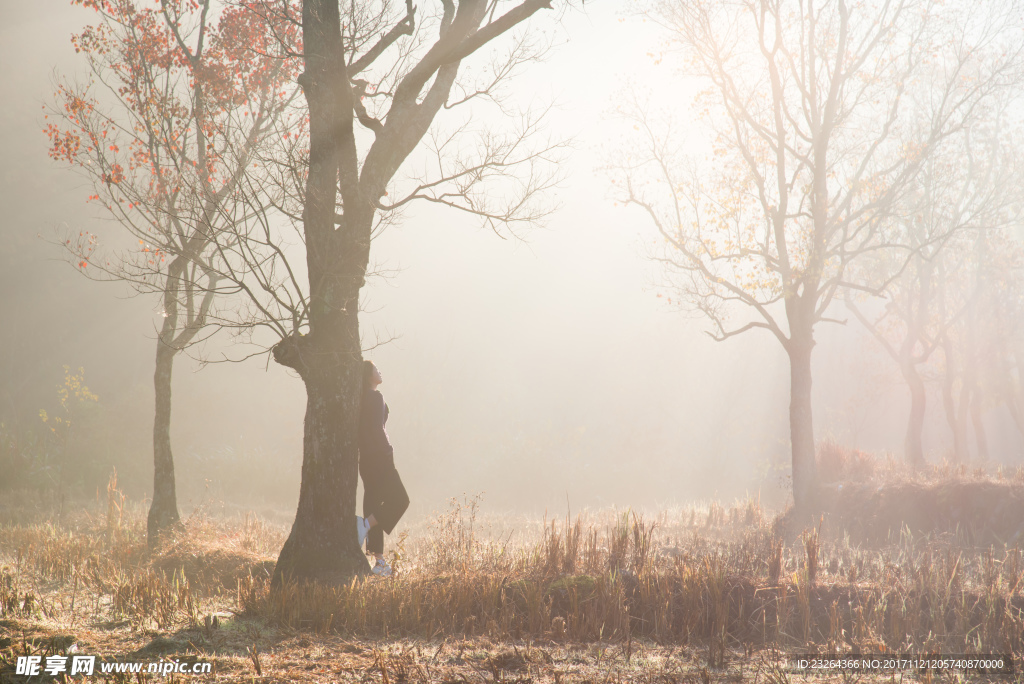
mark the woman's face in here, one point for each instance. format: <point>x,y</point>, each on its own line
<point>376,379</point>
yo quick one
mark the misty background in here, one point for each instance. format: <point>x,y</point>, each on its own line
<point>542,372</point>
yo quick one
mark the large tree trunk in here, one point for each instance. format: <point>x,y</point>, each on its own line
<point>914,444</point>
<point>163,512</point>
<point>801,425</point>
<point>323,545</point>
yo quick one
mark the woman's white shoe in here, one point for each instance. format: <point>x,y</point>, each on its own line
<point>381,568</point>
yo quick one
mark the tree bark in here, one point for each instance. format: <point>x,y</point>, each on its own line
<point>801,425</point>
<point>163,512</point>
<point>322,545</point>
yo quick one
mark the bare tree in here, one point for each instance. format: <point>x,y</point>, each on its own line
<point>821,115</point>
<point>375,79</point>
<point>1002,373</point>
<point>978,369</point>
<point>963,197</point>
<point>166,128</point>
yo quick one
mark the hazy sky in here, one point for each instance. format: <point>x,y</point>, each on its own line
<point>529,370</point>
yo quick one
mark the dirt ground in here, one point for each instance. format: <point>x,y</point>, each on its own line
<point>242,650</point>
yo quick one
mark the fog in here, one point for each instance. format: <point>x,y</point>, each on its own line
<point>543,372</point>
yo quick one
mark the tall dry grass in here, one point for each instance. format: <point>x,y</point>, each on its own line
<point>718,577</point>
<point>714,576</point>
<point>95,564</point>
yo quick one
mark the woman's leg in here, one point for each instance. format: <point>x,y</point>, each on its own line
<point>373,497</point>
<point>394,502</point>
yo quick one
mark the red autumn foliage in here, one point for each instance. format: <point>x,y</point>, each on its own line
<point>195,86</point>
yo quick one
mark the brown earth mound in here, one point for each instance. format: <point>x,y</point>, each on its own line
<point>209,559</point>
<point>979,512</point>
<point>214,569</point>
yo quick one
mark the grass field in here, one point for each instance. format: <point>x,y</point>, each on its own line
<point>705,593</point>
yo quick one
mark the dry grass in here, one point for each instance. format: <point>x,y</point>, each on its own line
<point>730,585</point>
<point>695,594</point>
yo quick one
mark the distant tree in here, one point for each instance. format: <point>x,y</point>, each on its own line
<point>964,197</point>
<point>1002,371</point>
<point>181,97</point>
<point>821,115</point>
<point>980,349</point>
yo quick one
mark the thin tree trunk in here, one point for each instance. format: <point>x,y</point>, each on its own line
<point>163,512</point>
<point>960,444</point>
<point>980,437</point>
<point>908,363</point>
<point>914,444</point>
<point>1013,405</point>
<point>1015,398</point>
<point>950,405</point>
<point>801,425</point>
<point>979,309</point>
